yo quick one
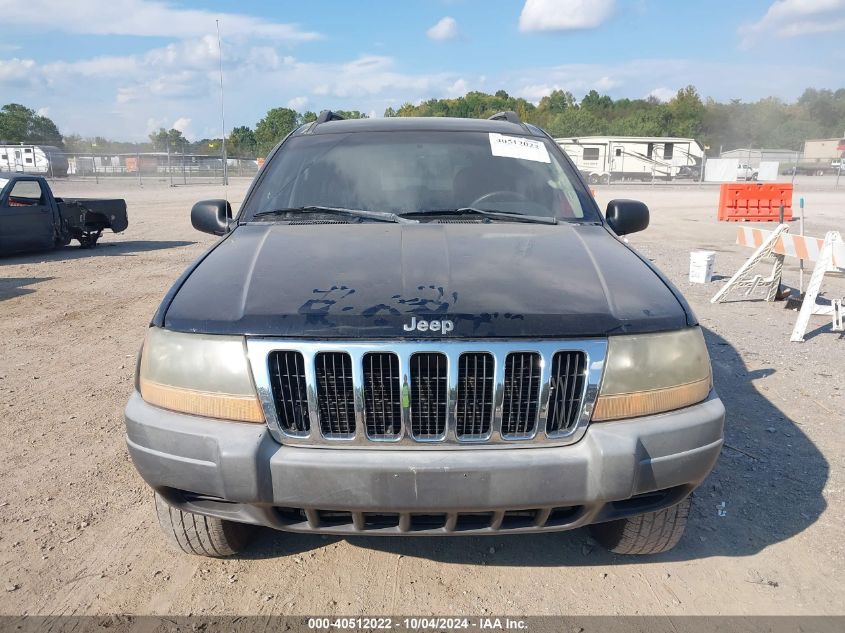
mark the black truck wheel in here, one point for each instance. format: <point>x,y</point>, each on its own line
<point>650,533</point>
<point>88,240</point>
<point>201,535</point>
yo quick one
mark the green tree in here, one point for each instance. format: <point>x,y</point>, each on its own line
<point>687,113</point>
<point>19,124</point>
<point>350,114</point>
<point>556,102</point>
<point>277,124</point>
<point>167,140</point>
<point>242,142</point>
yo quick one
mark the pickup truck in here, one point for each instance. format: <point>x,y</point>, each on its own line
<point>746,172</point>
<point>422,326</point>
<point>31,218</point>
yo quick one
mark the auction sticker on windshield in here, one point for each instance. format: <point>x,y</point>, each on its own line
<point>519,147</point>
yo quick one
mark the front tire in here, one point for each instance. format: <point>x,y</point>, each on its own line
<point>201,535</point>
<point>650,533</point>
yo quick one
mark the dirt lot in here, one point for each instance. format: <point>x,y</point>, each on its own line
<point>79,534</point>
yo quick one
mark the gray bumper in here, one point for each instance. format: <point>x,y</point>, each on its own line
<point>238,471</point>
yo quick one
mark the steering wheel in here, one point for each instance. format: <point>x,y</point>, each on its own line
<point>505,196</point>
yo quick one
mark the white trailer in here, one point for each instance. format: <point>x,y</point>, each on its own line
<point>605,158</point>
<point>45,160</point>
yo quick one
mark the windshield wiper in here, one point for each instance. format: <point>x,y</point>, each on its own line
<point>494,215</point>
<point>381,216</point>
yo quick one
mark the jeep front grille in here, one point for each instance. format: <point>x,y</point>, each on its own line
<point>427,394</point>
<point>335,395</point>
<point>568,374</point>
<point>287,372</point>
<point>382,395</point>
<point>522,385</point>
<point>475,395</point>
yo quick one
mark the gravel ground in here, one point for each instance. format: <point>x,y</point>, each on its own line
<point>79,535</point>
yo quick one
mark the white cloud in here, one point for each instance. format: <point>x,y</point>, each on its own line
<point>183,124</point>
<point>793,18</point>
<point>457,89</point>
<point>45,111</point>
<point>16,70</point>
<point>144,18</point>
<point>662,93</point>
<point>298,103</point>
<point>564,15</point>
<point>445,29</point>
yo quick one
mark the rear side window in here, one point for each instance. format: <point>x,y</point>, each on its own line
<point>26,193</point>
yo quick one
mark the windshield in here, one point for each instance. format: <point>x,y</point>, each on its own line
<point>413,172</point>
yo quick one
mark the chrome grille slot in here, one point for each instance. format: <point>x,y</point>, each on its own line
<point>521,394</point>
<point>475,395</point>
<point>436,394</point>
<point>565,390</point>
<point>429,386</point>
<point>287,380</point>
<point>335,394</point>
<point>382,396</point>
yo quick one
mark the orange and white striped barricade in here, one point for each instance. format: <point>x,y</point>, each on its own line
<point>829,255</point>
<point>765,243</point>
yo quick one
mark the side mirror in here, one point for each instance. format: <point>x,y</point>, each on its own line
<point>211,216</point>
<point>626,216</point>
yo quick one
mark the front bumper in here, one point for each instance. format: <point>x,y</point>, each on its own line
<point>239,472</point>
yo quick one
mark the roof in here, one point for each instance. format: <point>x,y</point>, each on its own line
<point>643,139</point>
<point>428,124</point>
<point>764,150</point>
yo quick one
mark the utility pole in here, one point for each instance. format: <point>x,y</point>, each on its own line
<point>222,110</point>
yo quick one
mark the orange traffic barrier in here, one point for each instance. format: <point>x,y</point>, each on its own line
<point>755,202</point>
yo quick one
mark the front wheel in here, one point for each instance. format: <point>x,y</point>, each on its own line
<point>594,179</point>
<point>650,533</point>
<point>201,535</point>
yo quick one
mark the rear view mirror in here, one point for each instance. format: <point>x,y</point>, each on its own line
<point>626,216</point>
<point>211,216</point>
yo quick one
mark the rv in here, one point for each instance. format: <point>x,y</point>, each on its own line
<point>604,158</point>
<point>45,160</point>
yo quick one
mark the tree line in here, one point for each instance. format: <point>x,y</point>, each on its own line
<point>769,122</point>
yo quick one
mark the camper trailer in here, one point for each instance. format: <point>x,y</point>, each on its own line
<point>44,160</point>
<point>604,158</point>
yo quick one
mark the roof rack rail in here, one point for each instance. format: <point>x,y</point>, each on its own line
<point>508,115</point>
<point>328,115</point>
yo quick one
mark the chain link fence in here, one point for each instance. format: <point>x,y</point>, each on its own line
<point>175,168</point>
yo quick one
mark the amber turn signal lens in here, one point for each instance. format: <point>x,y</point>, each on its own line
<point>210,405</point>
<point>632,405</point>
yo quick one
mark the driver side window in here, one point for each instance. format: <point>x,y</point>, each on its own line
<point>26,193</point>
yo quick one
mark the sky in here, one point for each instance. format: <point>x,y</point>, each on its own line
<point>123,68</point>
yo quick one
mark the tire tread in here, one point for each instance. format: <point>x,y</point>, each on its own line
<point>201,535</point>
<point>649,533</point>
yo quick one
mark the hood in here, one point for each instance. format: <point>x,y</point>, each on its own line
<point>376,280</point>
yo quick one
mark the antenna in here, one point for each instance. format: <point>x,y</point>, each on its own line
<point>222,113</point>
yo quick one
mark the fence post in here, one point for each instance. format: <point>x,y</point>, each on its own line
<point>138,158</point>
<point>94,169</point>
<point>169,170</point>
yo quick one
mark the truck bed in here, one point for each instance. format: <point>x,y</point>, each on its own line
<point>93,214</point>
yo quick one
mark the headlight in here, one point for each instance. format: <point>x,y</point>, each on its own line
<point>652,373</point>
<point>198,374</point>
